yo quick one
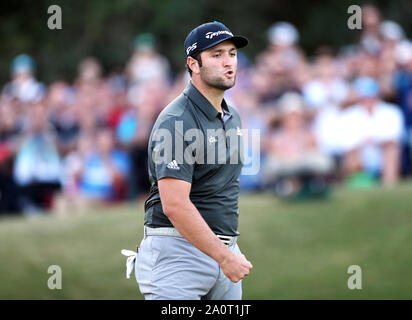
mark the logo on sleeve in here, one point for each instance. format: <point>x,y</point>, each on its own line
<point>173,165</point>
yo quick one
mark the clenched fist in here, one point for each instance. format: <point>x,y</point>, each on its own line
<point>236,267</point>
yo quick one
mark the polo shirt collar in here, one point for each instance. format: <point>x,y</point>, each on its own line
<point>202,103</point>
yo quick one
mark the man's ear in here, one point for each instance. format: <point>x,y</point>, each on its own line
<point>193,64</point>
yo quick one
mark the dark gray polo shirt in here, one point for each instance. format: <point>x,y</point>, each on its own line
<point>191,141</point>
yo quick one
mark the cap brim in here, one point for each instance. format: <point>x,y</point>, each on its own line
<point>239,42</point>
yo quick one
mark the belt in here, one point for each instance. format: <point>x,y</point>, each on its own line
<point>172,232</point>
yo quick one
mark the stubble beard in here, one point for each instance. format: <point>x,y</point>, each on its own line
<point>217,82</point>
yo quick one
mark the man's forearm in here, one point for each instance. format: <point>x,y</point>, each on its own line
<point>191,225</point>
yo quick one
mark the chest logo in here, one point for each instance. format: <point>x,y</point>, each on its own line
<point>211,139</point>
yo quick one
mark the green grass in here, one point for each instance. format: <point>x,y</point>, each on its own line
<point>299,251</point>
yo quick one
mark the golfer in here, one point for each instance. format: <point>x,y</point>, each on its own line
<point>189,249</point>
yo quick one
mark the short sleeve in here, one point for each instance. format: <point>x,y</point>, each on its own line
<point>390,125</point>
<point>171,154</point>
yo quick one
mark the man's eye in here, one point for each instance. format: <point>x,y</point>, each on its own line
<point>233,54</point>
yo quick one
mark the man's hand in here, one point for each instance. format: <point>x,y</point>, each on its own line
<point>187,220</point>
<point>236,267</point>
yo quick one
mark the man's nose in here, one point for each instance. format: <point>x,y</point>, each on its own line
<point>228,60</point>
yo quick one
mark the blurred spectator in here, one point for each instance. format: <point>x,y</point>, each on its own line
<point>10,124</point>
<point>105,170</point>
<point>23,85</point>
<point>71,199</point>
<point>283,40</point>
<point>325,95</point>
<point>62,115</point>
<point>10,132</point>
<point>370,36</point>
<point>403,87</point>
<point>133,132</point>
<point>325,88</point>
<point>146,65</point>
<point>276,70</point>
<point>294,165</point>
<point>117,83</point>
<point>373,137</point>
<point>37,166</point>
<point>8,188</point>
<point>89,72</point>
<point>245,102</point>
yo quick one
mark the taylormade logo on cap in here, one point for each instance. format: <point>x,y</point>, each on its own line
<point>210,35</point>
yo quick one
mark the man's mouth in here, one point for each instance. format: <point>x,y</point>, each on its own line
<point>229,74</point>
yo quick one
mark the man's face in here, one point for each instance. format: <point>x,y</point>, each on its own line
<point>368,102</point>
<point>219,66</point>
<point>104,141</point>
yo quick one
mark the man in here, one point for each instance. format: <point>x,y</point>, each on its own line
<point>23,84</point>
<point>372,139</point>
<point>189,249</point>
<point>295,166</point>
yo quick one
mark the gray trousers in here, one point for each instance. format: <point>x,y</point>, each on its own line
<point>171,268</point>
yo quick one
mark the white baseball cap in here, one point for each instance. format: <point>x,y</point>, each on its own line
<point>283,33</point>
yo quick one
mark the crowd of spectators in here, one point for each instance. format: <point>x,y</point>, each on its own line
<point>340,116</point>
